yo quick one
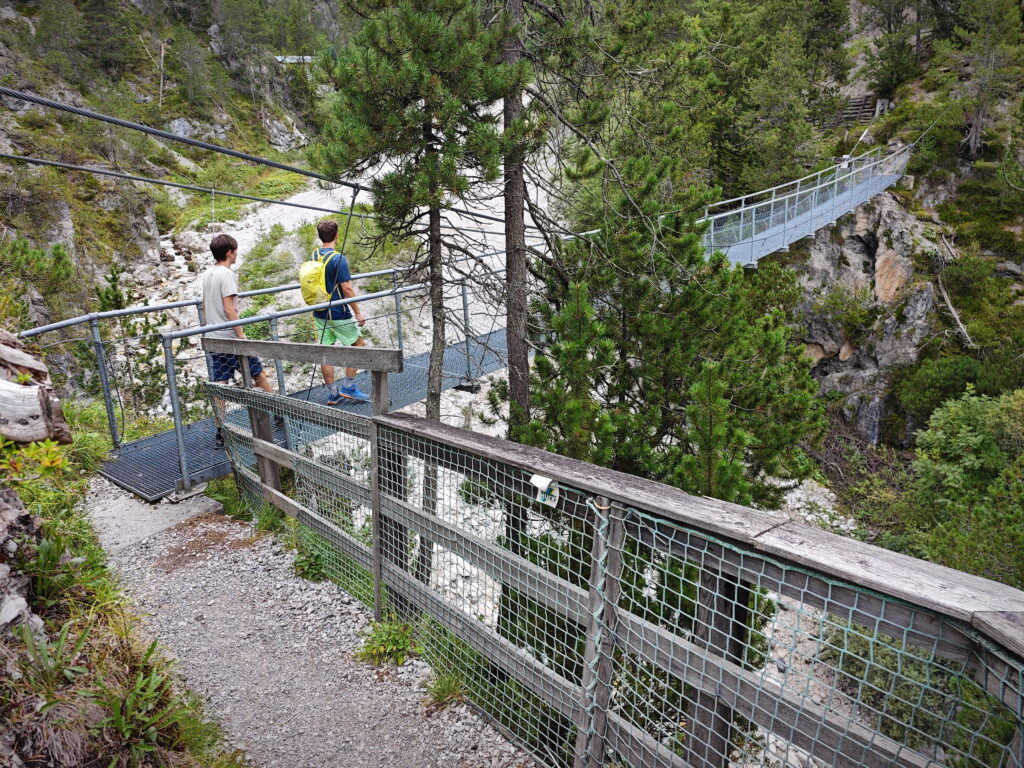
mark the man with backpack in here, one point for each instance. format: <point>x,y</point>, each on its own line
<point>334,325</point>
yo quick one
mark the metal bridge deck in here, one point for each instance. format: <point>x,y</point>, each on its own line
<point>149,467</point>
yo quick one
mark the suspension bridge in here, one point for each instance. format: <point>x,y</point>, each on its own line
<point>745,229</point>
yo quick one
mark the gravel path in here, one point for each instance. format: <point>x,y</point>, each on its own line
<point>272,653</point>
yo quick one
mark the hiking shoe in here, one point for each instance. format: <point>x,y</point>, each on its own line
<point>333,396</point>
<point>352,393</point>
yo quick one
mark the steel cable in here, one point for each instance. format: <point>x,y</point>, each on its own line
<point>168,135</point>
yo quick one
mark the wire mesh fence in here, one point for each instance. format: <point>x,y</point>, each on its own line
<point>602,620</point>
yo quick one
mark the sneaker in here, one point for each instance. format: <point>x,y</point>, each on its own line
<point>352,393</point>
<point>218,439</point>
<point>333,396</point>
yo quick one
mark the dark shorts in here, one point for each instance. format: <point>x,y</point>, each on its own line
<point>223,367</point>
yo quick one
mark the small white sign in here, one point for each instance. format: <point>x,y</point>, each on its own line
<point>547,491</point>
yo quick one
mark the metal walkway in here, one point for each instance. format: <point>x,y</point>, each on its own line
<point>773,219</point>
<point>149,467</point>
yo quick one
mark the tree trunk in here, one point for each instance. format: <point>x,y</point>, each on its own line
<point>975,133</point>
<point>516,275</point>
<point>423,566</point>
<point>435,368</point>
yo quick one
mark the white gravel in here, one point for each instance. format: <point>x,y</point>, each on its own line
<point>272,653</point>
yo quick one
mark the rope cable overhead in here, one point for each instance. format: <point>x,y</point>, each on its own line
<point>169,136</point>
<point>194,188</point>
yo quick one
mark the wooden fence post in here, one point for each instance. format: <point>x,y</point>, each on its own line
<point>720,628</point>
<point>380,406</point>
<point>390,539</point>
<point>259,423</point>
<point>599,656</point>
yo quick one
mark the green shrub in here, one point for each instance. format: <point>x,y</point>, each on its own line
<point>388,642</point>
<point>968,491</point>
<point>852,310</point>
<point>919,700</point>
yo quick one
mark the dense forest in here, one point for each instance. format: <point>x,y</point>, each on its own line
<point>880,361</point>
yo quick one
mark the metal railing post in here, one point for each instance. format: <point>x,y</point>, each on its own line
<point>465,324</point>
<point>201,312</point>
<point>101,362</point>
<point>179,428</point>
<point>602,617</point>
<point>398,312</point>
<point>282,387</point>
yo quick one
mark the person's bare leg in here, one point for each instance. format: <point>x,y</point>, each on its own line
<point>328,373</point>
<point>262,382</point>
<point>351,372</point>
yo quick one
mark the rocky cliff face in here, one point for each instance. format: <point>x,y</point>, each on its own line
<point>866,309</point>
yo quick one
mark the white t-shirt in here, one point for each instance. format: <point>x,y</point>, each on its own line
<point>218,283</point>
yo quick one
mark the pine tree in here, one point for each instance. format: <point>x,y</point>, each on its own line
<point>670,365</point>
<point>414,90</point>
<point>991,64</point>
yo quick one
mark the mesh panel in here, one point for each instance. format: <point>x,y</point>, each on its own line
<point>599,634</point>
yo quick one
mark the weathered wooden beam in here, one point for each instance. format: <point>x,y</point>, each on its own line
<point>301,410</point>
<point>366,358</point>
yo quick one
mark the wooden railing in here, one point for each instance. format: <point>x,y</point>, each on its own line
<point>623,622</point>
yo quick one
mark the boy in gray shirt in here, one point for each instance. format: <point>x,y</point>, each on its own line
<point>220,304</point>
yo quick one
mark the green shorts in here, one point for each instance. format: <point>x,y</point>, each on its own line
<point>331,332</point>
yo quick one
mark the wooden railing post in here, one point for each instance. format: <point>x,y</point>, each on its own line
<point>380,406</point>
<point>390,539</point>
<point>259,423</point>
<point>599,655</point>
<point>720,628</point>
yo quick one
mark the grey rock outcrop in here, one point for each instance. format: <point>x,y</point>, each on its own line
<point>865,311</point>
<point>282,134</point>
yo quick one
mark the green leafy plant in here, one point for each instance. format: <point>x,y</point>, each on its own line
<point>50,664</point>
<point>390,641</point>
<point>22,464</point>
<point>141,710</point>
<point>309,565</point>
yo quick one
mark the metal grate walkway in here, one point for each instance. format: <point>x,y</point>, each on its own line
<point>149,467</point>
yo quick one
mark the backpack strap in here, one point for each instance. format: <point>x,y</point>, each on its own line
<point>325,257</point>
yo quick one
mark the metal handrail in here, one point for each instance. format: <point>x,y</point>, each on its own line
<point>743,198</point>
<point>268,316</point>
<point>144,308</point>
<point>822,185</point>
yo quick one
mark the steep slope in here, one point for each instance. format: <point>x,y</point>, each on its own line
<point>182,67</point>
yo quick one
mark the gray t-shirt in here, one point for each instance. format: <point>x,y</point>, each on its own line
<point>218,282</point>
